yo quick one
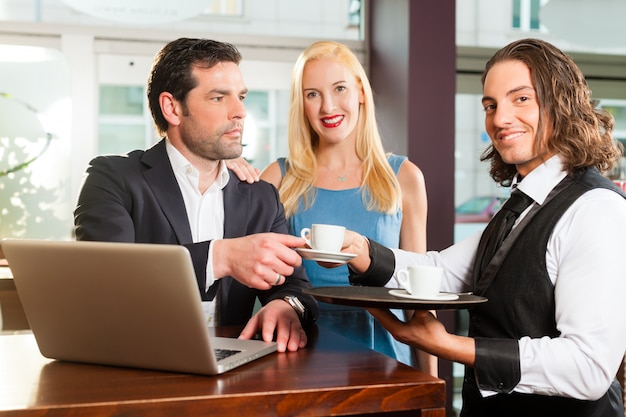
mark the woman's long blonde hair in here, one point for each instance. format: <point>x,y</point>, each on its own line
<point>380,189</point>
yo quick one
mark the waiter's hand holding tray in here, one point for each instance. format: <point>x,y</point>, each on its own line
<point>380,297</point>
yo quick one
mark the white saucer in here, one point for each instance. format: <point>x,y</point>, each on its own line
<point>442,296</point>
<point>322,256</point>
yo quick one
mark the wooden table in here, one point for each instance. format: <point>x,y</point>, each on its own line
<point>332,376</point>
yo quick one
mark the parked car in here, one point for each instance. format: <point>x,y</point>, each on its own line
<point>478,209</point>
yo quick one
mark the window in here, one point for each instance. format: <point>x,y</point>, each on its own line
<point>265,130</point>
<point>124,121</point>
<point>354,13</point>
<point>34,144</point>
<point>526,14</point>
<point>618,109</point>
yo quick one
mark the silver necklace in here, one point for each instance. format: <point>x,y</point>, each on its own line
<point>340,178</point>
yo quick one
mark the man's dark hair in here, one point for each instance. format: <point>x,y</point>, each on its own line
<point>172,70</point>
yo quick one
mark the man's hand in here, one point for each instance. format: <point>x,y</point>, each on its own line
<point>243,169</point>
<point>427,333</point>
<point>258,261</point>
<point>277,317</point>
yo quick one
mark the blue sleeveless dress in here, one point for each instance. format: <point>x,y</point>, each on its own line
<point>346,208</point>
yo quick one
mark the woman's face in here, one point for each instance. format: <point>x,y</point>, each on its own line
<point>332,98</point>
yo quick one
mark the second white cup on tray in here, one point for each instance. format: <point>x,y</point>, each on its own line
<point>324,237</point>
<point>421,281</point>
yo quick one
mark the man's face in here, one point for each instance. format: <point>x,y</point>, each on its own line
<point>211,126</point>
<point>512,114</point>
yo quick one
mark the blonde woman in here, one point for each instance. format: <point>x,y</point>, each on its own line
<point>337,172</point>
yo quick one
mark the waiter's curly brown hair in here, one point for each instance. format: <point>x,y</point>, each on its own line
<point>581,132</point>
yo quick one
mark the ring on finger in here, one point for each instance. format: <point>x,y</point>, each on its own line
<point>278,279</point>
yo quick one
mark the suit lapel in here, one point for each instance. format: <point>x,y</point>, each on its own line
<point>160,177</point>
<point>236,208</point>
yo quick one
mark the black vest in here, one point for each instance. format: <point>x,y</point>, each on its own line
<point>521,303</point>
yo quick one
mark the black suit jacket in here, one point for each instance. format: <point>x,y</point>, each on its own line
<point>136,198</point>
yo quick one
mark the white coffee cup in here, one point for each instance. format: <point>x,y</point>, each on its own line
<point>421,281</point>
<point>324,237</point>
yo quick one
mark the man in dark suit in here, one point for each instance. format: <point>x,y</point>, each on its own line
<point>180,192</point>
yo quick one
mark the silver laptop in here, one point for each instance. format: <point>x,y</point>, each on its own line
<point>123,304</point>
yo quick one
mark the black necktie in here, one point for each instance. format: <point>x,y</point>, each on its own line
<point>500,226</point>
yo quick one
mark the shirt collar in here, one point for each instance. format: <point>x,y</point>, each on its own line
<point>182,165</point>
<point>541,180</point>
<point>178,161</point>
<point>223,176</point>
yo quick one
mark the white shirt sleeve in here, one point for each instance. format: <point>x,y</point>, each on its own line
<point>457,260</point>
<point>586,259</point>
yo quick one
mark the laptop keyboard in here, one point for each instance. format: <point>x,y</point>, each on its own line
<point>224,353</point>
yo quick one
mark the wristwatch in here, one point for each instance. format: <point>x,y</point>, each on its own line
<point>296,304</point>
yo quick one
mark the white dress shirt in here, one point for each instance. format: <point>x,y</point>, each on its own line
<point>204,211</point>
<point>585,260</point>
